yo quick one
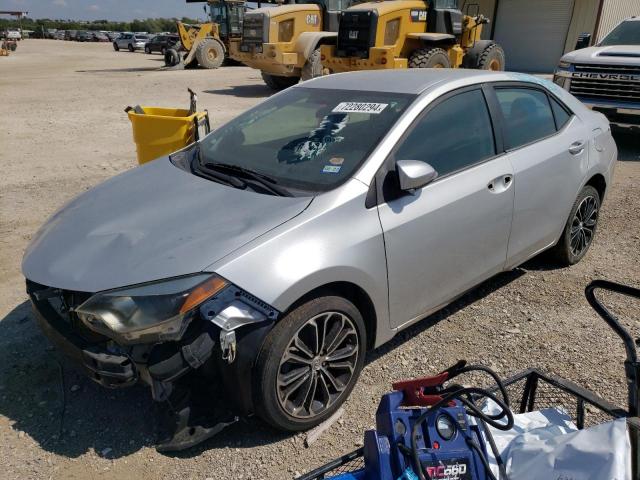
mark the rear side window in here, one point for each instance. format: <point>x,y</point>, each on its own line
<point>560,113</point>
<point>527,114</point>
<point>455,134</point>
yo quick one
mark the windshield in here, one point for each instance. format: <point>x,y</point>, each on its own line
<point>306,138</point>
<point>627,33</point>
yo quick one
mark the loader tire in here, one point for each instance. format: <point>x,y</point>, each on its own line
<point>492,58</point>
<point>276,82</point>
<point>312,67</point>
<point>210,54</point>
<point>430,57</point>
<point>171,58</point>
<point>484,55</point>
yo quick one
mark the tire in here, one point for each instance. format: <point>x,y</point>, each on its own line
<point>295,411</point>
<point>116,47</point>
<point>312,67</point>
<point>171,58</point>
<point>492,58</point>
<point>163,50</point>
<point>580,227</point>
<point>432,57</point>
<point>210,54</point>
<point>147,50</point>
<point>276,82</point>
<point>131,49</point>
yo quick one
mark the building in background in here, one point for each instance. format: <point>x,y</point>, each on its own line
<point>536,33</point>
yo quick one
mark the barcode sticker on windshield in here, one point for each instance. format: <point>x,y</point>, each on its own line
<point>360,107</point>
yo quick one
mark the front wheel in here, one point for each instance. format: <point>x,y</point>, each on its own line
<point>131,49</point>
<point>580,228</point>
<point>116,47</point>
<point>309,363</point>
<point>276,82</point>
<point>147,50</point>
<point>312,67</point>
<point>210,53</point>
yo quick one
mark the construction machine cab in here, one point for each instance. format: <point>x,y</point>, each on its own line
<point>444,17</point>
<point>228,15</point>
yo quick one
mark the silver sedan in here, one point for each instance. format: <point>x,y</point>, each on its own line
<point>270,256</point>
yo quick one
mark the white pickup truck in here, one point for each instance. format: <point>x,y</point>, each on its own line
<point>606,77</point>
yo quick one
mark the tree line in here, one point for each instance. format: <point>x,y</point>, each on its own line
<point>151,25</point>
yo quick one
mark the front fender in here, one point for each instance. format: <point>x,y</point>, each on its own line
<point>337,239</point>
<point>307,42</point>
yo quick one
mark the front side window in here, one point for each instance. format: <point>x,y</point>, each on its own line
<point>454,134</point>
<point>527,115</point>
<point>626,33</point>
<point>391,31</point>
<point>308,139</point>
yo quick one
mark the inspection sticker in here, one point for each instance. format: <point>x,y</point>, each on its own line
<point>360,107</point>
<point>331,169</point>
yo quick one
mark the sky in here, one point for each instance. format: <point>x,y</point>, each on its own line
<point>104,9</point>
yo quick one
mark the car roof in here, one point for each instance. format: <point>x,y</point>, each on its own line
<point>412,80</point>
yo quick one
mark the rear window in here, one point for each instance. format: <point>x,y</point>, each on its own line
<point>527,113</point>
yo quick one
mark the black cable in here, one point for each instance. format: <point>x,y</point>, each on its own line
<point>473,410</point>
<point>483,459</point>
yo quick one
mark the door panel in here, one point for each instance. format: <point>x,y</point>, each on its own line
<point>447,237</point>
<point>547,180</point>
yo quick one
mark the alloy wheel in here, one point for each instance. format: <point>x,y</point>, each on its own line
<point>583,225</point>
<point>317,365</point>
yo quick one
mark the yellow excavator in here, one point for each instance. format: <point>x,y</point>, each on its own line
<point>207,44</point>
<point>410,34</point>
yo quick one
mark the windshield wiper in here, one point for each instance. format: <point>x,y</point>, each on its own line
<point>219,177</point>
<point>266,181</point>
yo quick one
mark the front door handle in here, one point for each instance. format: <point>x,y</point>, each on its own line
<point>500,184</point>
<point>576,148</point>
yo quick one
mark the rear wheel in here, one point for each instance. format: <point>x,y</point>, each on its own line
<point>115,46</point>
<point>163,51</point>
<point>312,67</point>
<point>131,49</point>
<point>580,228</point>
<point>309,363</point>
<point>432,57</point>
<point>492,58</point>
<point>147,50</point>
<point>210,54</point>
<point>276,82</point>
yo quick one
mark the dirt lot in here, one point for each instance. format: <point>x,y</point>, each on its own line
<point>63,130</point>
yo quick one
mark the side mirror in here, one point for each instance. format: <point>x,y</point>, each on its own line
<point>413,174</point>
<point>584,40</point>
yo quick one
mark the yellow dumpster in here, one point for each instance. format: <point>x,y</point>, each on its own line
<point>160,131</point>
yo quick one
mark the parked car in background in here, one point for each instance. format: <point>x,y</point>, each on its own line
<point>14,34</point>
<point>160,43</point>
<point>100,37</point>
<point>84,36</point>
<point>130,41</point>
<point>346,209</point>
<point>70,34</point>
<point>606,77</point>
<point>60,34</point>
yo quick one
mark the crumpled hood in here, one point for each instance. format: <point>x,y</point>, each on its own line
<point>613,55</point>
<point>152,222</point>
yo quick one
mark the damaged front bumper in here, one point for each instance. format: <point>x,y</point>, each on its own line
<point>219,345</point>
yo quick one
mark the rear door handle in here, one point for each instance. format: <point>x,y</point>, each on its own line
<point>576,148</point>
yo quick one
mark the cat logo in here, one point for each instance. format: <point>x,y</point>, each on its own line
<point>312,19</point>
<point>418,15</point>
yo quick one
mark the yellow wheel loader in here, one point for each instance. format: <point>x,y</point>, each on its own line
<point>207,44</point>
<point>284,42</point>
<point>410,34</point>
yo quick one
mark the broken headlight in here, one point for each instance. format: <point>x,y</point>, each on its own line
<point>151,312</point>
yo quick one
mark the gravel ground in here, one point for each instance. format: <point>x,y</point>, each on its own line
<point>63,130</point>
